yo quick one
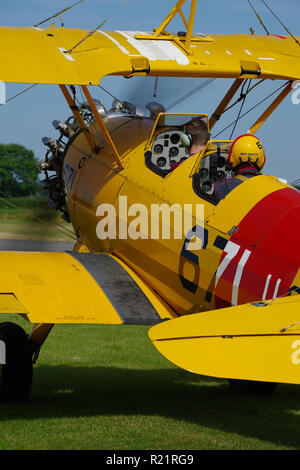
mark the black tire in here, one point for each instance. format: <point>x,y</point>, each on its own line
<point>251,387</point>
<point>16,372</point>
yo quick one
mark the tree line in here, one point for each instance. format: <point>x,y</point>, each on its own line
<point>19,172</point>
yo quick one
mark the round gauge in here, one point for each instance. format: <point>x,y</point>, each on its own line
<point>203,173</point>
<point>175,138</point>
<point>158,148</point>
<point>221,161</point>
<point>173,152</point>
<point>207,186</point>
<point>220,175</point>
<point>161,161</point>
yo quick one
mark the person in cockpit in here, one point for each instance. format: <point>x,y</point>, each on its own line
<point>246,158</point>
<point>194,137</point>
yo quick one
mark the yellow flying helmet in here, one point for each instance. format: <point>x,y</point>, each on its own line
<point>246,148</point>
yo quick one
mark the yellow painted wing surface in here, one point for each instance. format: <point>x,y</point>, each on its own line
<point>76,288</point>
<point>36,55</point>
<point>259,341</point>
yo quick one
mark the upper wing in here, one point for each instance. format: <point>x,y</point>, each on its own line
<point>258,341</point>
<point>76,288</point>
<point>36,55</point>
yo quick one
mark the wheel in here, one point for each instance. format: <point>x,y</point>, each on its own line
<point>16,364</point>
<point>251,387</point>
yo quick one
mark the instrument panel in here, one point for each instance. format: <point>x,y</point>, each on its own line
<point>213,168</point>
<point>167,150</point>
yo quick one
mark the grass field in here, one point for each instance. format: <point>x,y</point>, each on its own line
<point>31,219</point>
<point>106,387</point>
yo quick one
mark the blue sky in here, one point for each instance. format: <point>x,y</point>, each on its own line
<point>28,118</point>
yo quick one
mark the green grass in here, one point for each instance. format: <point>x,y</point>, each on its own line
<point>32,230</point>
<point>19,220</point>
<point>106,387</point>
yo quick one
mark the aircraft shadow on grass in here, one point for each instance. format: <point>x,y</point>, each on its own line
<point>90,391</point>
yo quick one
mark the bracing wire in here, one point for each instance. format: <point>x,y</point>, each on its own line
<point>278,19</point>
<point>190,93</point>
<point>251,109</point>
<point>65,231</point>
<point>109,93</point>
<point>97,28</point>
<point>296,182</point>
<point>241,108</point>
<point>21,93</point>
<point>242,96</point>
<point>259,18</point>
<point>59,13</point>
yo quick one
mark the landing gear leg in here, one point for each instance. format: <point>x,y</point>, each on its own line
<point>16,363</point>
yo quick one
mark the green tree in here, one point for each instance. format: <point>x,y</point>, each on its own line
<point>18,170</point>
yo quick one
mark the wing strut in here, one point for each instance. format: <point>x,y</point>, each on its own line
<point>102,126</point>
<point>182,39</point>
<point>78,118</point>
<point>224,103</point>
<point>176,9</point>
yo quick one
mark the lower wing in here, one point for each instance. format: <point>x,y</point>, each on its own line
<point>73,287</point>
<point>258,341</point>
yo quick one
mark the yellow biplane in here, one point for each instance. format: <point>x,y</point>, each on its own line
<point>221,296</point>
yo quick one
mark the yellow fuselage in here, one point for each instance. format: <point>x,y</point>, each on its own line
<point>189,281</point>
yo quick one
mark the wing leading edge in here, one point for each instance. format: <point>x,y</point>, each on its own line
<point>73,287</point>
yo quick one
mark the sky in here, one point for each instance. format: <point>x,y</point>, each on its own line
<point>27,118</point>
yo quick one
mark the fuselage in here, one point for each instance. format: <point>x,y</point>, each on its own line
<point>249,246</point>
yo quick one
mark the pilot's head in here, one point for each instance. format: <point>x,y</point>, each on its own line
<point>247,149</point>
<point>195,135</point>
